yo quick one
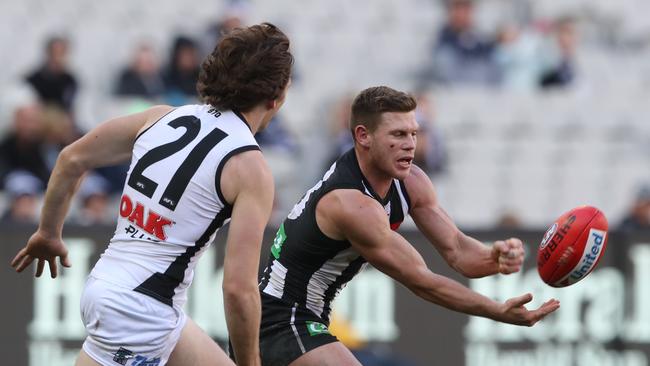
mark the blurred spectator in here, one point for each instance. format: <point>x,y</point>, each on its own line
<point>276,136</point>
<point>23,147</point>
<point>53,82</point>
<point>58,132</point>
<point>461,55</point>
<point>23,190</point>
<point>93,195</point>
<point>508,221</point>
<point>183,71</point>
<point>231,18</point>
<point>340,134</point>
<point>115,176</point>
<point>638,216</point>
<point>280,151</point>
<point>234,16</point>
<point>561,71</point>
<point>517,55</point>
<point>142,78</point>
<point>430,151</point>
<point>15,94</point>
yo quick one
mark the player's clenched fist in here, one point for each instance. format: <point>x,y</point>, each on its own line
<point>508,254</point>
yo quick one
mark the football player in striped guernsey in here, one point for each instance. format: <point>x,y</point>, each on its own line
<point>349,219</point>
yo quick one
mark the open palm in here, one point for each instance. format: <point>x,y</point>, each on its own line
<point>42,248</point>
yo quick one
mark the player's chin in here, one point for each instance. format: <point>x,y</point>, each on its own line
<point>402,170</point>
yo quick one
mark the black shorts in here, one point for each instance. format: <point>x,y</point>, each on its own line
<point>287,332</point>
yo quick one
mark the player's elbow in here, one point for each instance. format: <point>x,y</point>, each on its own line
<point>428,286</point>
<point>419,281</point>
<point>70,162</point>
<point>453,259</point>
<point>240,292</point>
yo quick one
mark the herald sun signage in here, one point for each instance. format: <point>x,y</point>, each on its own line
<point>605,309</point>
<point>604,320</point>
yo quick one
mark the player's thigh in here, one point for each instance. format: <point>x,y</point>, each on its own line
<point>84,360</point>
<point>195,347</point>
<point>331,354</point>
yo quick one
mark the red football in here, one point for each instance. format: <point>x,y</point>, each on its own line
<point>572,246</point>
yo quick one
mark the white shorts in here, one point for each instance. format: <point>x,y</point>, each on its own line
<point>126,327</point>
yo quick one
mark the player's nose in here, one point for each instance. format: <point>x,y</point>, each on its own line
<point>410,143</point>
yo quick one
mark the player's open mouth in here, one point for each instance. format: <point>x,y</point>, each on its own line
<point>405,162</point>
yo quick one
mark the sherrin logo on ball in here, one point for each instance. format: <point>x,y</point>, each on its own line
<point>572,246</point>
<point>548,235</point>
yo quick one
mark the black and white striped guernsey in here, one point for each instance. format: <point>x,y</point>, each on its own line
<point>307,268</point>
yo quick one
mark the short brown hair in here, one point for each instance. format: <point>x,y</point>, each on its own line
<point>368,106</point>
<point>247,67</point>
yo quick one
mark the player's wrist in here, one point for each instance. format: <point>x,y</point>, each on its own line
<point>495,253</point>
<point>496,310</point>
<point>48,233</point>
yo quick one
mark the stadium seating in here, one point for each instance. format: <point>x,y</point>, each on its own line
<point>534,154</point>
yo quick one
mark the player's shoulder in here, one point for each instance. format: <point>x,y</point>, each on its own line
<point>416,175</point>
<point>349,203</point>
<point>246,171</point>
<point>249,158</point>
<point>419,185</point>
<point>152,115</point>
<point>248,167</point>
<point>158,111</point>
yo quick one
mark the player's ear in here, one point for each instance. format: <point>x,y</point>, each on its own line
<point>361,135</point>
<point>271,104</point>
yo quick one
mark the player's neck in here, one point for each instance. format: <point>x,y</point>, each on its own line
<point>255,118</point>
<point>379,180</point>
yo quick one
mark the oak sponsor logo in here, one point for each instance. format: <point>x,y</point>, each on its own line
<point>153,224</point>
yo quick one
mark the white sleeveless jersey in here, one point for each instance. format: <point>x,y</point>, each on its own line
<point>172,204</point>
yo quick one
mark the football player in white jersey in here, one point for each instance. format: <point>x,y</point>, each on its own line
<point>192,168</point>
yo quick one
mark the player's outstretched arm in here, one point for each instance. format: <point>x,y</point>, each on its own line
<point>109,143</point>
<point>364,223</point>
<point>463,253</point>
<point>247,183</point>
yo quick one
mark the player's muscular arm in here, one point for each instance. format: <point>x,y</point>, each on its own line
<point>364,223</point>
<point>247,183</point>
<point>463,253</point>
<point>109,143</point>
